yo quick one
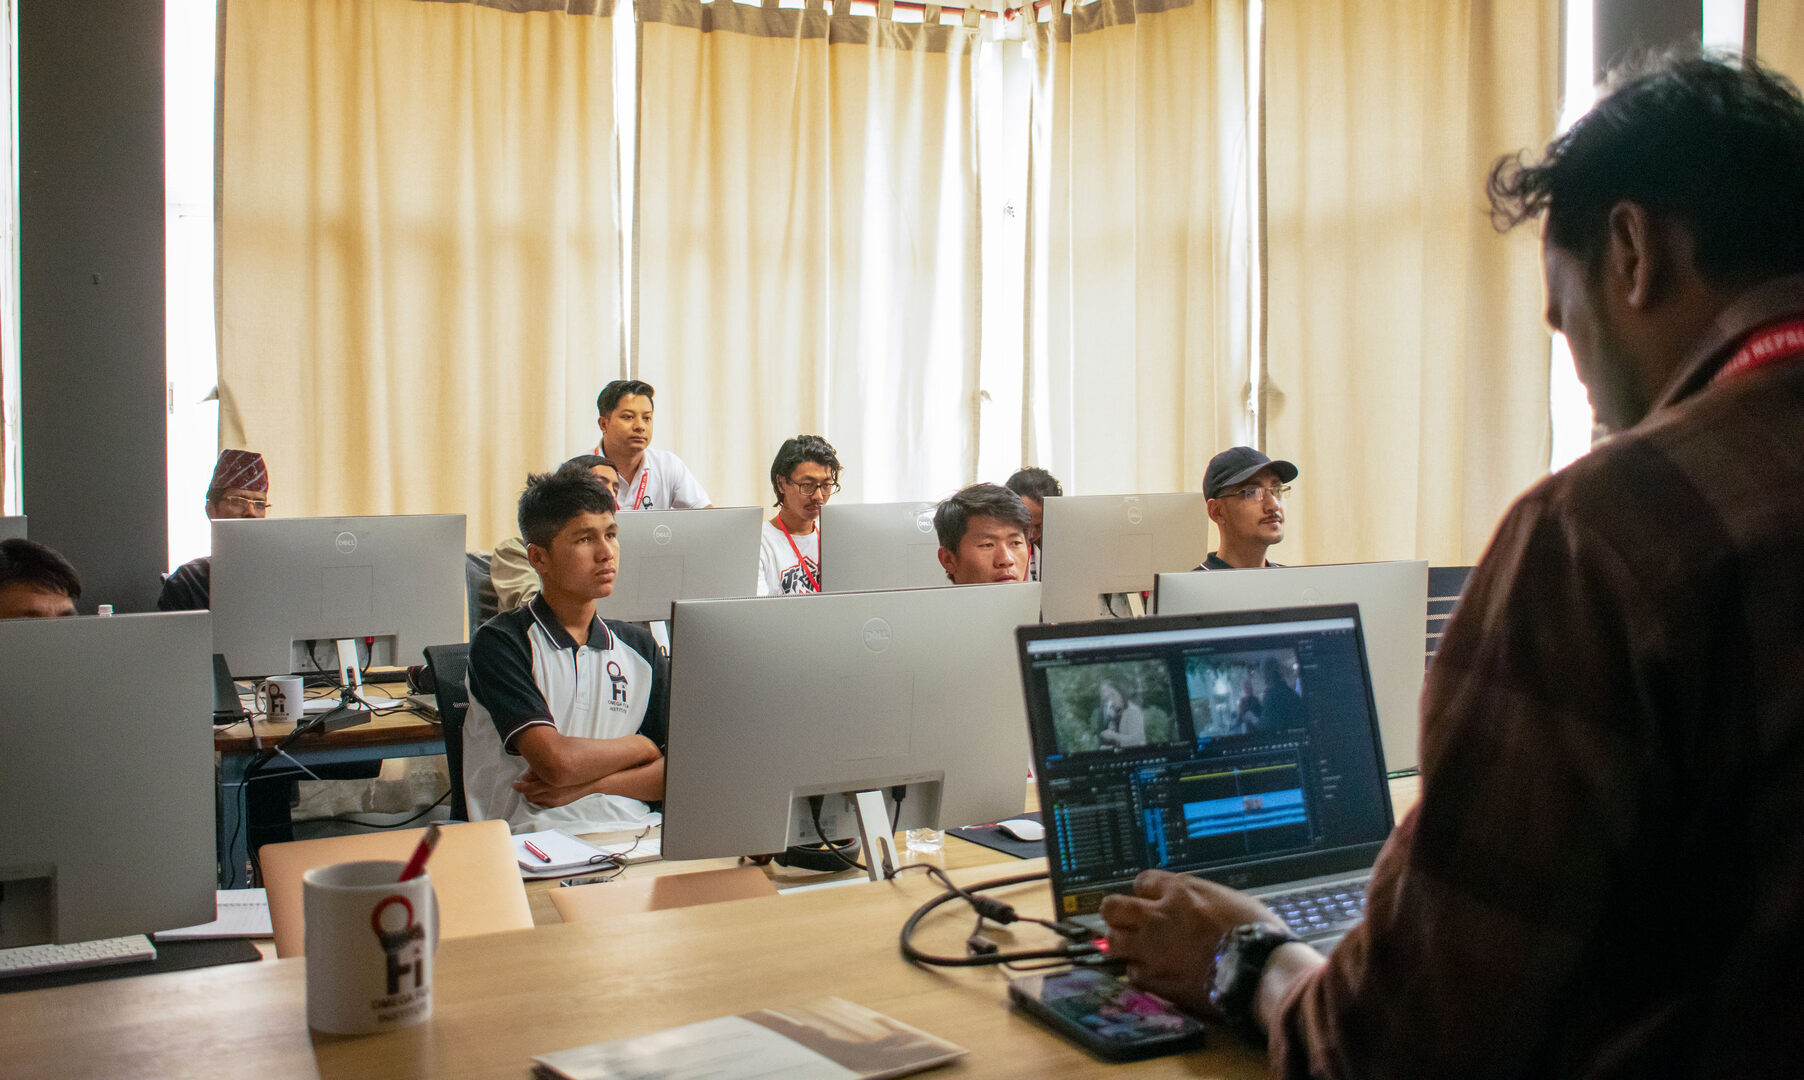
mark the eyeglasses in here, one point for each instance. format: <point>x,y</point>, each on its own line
<point>807,487</point>
<point>1255,492</point>
<point>243,503</point>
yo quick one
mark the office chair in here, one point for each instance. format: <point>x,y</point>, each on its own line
<point>1445,584</point>
<point>447,663</point>
<point>479,590</point>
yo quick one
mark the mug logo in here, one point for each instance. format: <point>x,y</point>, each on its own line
<point>1134,514</point>
<point>278,701</point>
<point>618,678</point>
<point>661,534</point>
<point>409,938</point>
<point>345,542</point>
<point>876,635</point>
<point>924,520</point>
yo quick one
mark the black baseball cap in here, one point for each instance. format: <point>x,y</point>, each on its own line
<point>1236,465</point>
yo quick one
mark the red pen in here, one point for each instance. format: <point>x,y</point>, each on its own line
<point>534,848</point>
<point>417,864</point>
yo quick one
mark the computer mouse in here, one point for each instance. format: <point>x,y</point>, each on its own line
<point>1023,829</point>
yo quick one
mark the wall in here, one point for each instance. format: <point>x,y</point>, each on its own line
<point>91,272</point>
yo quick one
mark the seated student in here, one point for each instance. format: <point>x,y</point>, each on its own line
<point>567,711</point>
<point>983,535</point>
<point>1035,486</point>
<point>804,476</point>
<point>649,479</point>
<point>239,489</point>
<point>1246,492</point>
<point>514,579</point>
<point>35,582</point>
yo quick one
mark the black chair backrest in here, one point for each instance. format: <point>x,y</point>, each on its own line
<point>1445,583</point>
<point>447,663</point>
<point>479,590</point>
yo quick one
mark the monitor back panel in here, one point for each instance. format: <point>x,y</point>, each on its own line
<point>880,546</point>
<point>1094,545</point>
<point>783,697</point>
<point>279,583</point>
<point>1392,599</point>
<point>107,771</point>
<point>671,555</point>
<point>12,528</point>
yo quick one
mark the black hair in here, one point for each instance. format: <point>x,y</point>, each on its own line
<point>979,500</point>
<point>609,398</point>
<point>1715,142</point>
<point>23,562</point>
<point>1033,482</point>
<point>794,452</point>
<point>552,499</point>
<point>588,461</point>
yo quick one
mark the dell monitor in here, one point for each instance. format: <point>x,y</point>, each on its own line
<point>12,528</point>
<point>285,590</point>
<point>844,696</point>
<point>106,782</point>
<point>1392,599</point>
<point>1094,547</point>
<point>880,546</point>
<point>671,555</point>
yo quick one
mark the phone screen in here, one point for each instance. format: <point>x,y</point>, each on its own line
<point>1098,1005</point>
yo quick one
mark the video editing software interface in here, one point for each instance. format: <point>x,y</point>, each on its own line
<point>1193,747</point>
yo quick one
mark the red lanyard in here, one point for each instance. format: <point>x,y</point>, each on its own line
<point>813,583</point>
<point>644,478</point>
<point>1770,346</point>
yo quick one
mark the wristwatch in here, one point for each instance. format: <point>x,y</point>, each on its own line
<point>1239,965</point>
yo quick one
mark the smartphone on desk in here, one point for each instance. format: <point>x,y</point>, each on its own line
<point>1105,1015</point>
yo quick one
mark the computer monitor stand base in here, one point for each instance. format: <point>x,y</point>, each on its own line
<point>880,858</point>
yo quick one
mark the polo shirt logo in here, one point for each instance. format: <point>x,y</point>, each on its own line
<point>618,677</point>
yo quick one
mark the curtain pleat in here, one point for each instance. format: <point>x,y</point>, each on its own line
<point>808,247</point>
<point>1407,363</point>
<point>419,249</point>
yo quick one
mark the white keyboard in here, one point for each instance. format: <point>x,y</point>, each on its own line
<point>39,959</point>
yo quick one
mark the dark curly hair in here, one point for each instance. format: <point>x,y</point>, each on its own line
<point>797,450</point>
<point>1715,141</point>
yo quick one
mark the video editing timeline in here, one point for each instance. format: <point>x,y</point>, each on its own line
<point>1272,752</point>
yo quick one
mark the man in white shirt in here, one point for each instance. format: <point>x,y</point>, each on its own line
<point>649,479</point>
<point>804,476</point>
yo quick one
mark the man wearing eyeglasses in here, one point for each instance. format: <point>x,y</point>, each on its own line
<point>804,475</point>
<point>1246,493</point>
<point>239,489</point>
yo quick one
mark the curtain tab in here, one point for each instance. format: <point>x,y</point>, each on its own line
<point>770,5</point>
<point>842,7</point>
<point>886,9</point>
<point>932,15</point>
<point>973,14</point>
<point>814,7</point>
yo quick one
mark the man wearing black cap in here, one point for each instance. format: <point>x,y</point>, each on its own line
<point>1246,493</point>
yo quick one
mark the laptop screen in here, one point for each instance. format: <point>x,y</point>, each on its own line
<point>1242,746</point>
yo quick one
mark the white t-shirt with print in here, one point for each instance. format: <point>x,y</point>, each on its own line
<point>779,573</point>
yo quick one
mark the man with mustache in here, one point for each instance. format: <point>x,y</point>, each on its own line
<point>1246,493</point>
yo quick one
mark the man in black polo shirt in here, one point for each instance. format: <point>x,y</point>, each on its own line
<point>567,712</point>
<point>1246,492</point>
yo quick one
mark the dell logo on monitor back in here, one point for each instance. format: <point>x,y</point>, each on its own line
<point>345,542</point>
<point>876,635</point>
<point>661,534</point>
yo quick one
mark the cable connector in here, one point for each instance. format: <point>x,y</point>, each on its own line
<point>994,910</point>
<point>978,945</point>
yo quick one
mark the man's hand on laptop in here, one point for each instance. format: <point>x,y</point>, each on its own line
<point>1169,929</point>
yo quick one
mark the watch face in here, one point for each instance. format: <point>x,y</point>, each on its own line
<point>1227,962</point>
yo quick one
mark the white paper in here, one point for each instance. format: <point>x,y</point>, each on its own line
<point>242,913</point>
<point>729,1048</point>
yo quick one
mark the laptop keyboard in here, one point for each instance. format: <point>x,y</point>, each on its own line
<point>1321,911</point>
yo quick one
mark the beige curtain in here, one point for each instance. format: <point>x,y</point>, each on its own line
<point>1138,363</point>
<point>1779,36</point>
<point>1406,357</point>
<point>807,243</point>
<point>419,254</point>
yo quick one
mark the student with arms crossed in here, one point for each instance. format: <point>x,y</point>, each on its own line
<point>804,476</point>
<point>567,711</point>
<point>510,571</point>
<point>1604,876</point>
<point>35,582</point>
<point>649,479</point>
<point>983,535</point>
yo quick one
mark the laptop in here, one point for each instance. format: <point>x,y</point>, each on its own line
<point>1242,747</point>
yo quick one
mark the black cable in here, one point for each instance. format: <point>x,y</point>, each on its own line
<point>814,811</point>
<point>996,911</point>
<point>349,820</point>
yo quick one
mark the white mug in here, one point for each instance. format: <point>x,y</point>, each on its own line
<point>281,699</point>
<point>369,939</point>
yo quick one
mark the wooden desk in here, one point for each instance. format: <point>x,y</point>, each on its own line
<point>393,736</point>
<point>503,998</point>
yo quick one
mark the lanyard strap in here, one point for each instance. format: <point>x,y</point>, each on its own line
<point>644,478</point>
<point>813,583</point>
<point>1772,345</point>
